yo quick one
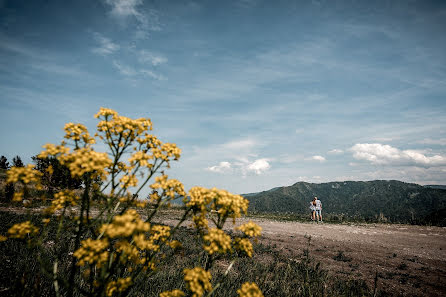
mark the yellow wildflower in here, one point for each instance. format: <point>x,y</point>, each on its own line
<point>86,160</point>
<point>3,238</point>
<point>244,245</point>
<point>141,158</point>
<point>120,285</point>
<point>125,225</point>
<point>22,229</point>
<point>129,181</point>
<point>198,281</point>
<point>249,290</point>
<point>64,199</point>
<point>18,196</point>
<point>174,293</point>
<point>171,187</point>
<point>105,112</point>
<point>54,150</point>
<point>175,244</point>
<point>251,229</point>
<point>25,174</point>
<point>78,132</point>
<point>92,251</point>
<point>128,252</point>
<point>217,241</point>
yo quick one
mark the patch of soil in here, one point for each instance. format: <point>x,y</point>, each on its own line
<point>407,260</point>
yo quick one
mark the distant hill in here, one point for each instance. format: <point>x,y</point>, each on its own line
<point>442,187</point>
<point>394,200</point>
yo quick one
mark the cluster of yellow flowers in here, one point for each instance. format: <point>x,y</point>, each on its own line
<point>127,241</point>
<point>198,281</point>
<point>217,241</point>
<point>249,290</point>
<point>150,141</point>
<point>250,229</point>
<point>158,234</point>
<point>20,230</point>
<point>171,150</point>
<point>171,187</point>
<point>128,252</point>
<point>18,196</point>
<point>174,293</point>
<point>78,132</point>
<point>128,181</point>
<point>141,158</point>
<point>24,174</point>
<point>116,125</point>
<point>221,202</point>
<point>54,150</point>
<point>63,199</point>
<point>125,225</point>
<point>120,285</point>
<point>85,160</point>
<point>93,252</point>
<point>244,245</point>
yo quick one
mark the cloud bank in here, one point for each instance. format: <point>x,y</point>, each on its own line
<point>383,154</point>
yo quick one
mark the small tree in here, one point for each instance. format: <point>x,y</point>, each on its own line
<point>55,176</point>
<point>9,187</point>
<point>4,164</point>
<point>17,162</point>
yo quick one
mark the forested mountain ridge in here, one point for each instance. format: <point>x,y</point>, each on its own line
<point>395,200</point>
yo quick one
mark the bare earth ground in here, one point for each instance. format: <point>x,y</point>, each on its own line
<point>409,260</point>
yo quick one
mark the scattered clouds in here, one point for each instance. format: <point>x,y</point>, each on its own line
<point>317,158</point>
<point>244,168</point>
<point>153,75</point>
<point>124,69</point>
<point>440,141</point>
<point>106,46</point>
<point>124,8</point>
<point>129,71</point>
<point>151,58</point>
<point>147,20</point>
<point>222,167</point>
<point>381,154</point>
<point>335,151</point>
<point>258,166</point>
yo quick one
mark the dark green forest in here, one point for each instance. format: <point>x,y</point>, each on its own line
<point>379,200</point>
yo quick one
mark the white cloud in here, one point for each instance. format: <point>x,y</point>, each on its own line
<point>124,69</point>
<point>221,167</point>
<point>124,8</point>
<point>153,75</point>
<point>387,155</point>
<point>106,46</point>
<point>147,20</point>
<point>335,151</point>
<point>258,166</point>
<point>149,57</point>
<point>317,158</point>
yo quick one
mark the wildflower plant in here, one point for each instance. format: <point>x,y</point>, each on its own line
<point>115,243</point>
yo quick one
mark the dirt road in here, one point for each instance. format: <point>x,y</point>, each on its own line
<point>410,260</point>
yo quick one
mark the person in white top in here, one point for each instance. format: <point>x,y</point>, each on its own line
<point>318,210</point>
<point>313,209</point>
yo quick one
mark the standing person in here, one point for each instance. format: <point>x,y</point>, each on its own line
<point>318,209</point>
<point>313,209</point>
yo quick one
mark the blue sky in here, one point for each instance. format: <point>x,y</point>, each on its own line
<point>257,94</point>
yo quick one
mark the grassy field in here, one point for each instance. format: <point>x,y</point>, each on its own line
<point>274,272</point>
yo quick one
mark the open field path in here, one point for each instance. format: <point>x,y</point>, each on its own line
<point>408,260</point>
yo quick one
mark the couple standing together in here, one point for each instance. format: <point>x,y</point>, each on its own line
<point>316,210</point>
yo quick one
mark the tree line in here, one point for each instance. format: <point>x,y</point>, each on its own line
<point>55,176</point>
